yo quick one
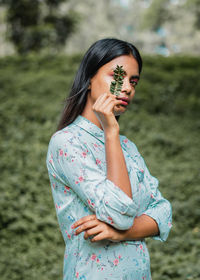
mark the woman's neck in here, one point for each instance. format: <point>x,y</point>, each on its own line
<point>89,114</point>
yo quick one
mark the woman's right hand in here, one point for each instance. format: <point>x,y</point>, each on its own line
<point>104,110</point>
<point>92,227</point>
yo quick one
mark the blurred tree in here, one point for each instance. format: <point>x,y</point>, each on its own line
<point>160,11</point>
<point>156,14</point>
<point>194,6</point>
<point>35,25</point>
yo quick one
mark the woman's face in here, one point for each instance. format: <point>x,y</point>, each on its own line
<point>100,83</point>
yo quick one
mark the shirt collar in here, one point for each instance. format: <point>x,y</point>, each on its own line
<point>90,127</point>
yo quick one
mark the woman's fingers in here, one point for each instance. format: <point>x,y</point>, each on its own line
<point>98,237</point>
<point>103,100</point>
<point>104,110</point>
<point>106,106</point>
<point>92,226</point>
<point>83,220</point>
<point>86,235</point>
<point>99,232</point>
<point>109,104</point>
<point>109,108</point>
<point>99,100</point>
<point>95,230</point>
<point>86,226</point>
<point>105,103</point>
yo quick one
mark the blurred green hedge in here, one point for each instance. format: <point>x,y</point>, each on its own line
<point>164,123</point>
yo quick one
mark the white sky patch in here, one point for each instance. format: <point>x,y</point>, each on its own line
<point>124,3</point>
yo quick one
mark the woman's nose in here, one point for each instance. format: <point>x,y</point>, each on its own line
<point>126,86</point>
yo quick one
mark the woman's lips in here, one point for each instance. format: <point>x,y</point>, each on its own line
<point>124,103</point>
<point>125,100</point>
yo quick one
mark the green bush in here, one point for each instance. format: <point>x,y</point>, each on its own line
<point>164,123</point>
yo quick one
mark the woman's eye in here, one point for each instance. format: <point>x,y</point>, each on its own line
<point>134,83</point>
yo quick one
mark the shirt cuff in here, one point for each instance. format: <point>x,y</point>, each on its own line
<point>117,208</point>
<point>164,228</point>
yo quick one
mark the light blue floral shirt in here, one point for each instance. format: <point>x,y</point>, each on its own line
<point>76,165</point>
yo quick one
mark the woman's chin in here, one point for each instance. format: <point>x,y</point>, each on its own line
<point>119,109</point>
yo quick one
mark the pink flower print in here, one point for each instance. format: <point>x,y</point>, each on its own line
<point>110,219</point>
<point>96,145</point>
<point>77,274</point>
<point>169,224</point>
<point>54,175</point>
<point>89,201</point>
<point>50,160</point>
<point>53,185</point>
<point>68,235</point>
<point>98,260</point>
<point>125,140</point>
<point>67,188</point>
<point>119,257</point>
<point>80,178</point>
<point>61,152</point>
<point>141,247</point>
<point>152,196</point>
<point>84,154</point>
<point>142,170</point>
<point>116,261</point>
<point>93,257</point>
<point>98,161</point>
<point>65,154</point>
<point>76,182</point>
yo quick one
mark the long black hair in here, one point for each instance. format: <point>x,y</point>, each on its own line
<point>100,53</point>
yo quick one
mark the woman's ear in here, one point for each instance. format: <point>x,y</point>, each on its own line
<point>89,87</point>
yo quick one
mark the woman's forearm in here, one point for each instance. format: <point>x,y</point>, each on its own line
<point>143,226</point>
<point>116,165</point>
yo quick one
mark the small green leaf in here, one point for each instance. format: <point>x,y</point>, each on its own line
<point>116,85</point>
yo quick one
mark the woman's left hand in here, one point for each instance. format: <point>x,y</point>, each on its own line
<point>92,226</point>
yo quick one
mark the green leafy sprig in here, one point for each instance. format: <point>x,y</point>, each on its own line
<point>116,85</point>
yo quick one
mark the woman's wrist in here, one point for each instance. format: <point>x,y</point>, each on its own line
<point>111,133</point>
<point>143,226</point>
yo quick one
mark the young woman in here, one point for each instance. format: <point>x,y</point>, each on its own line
<point>106,200</point>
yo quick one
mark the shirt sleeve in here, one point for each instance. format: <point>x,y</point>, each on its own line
<point>74,165</point>
<point>158,208</point>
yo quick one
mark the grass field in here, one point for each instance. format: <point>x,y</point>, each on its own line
<point>164,123</point>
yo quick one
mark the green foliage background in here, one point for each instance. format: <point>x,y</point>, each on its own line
<point>164,123</point>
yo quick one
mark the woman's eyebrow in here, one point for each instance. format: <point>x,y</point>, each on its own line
<point>132,77</point>
<point>135,77</point>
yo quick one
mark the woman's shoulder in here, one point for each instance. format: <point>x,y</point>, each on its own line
<point>63,136</point>
<point>127,143</point>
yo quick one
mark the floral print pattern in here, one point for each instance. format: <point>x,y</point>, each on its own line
<point>76,166</point>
